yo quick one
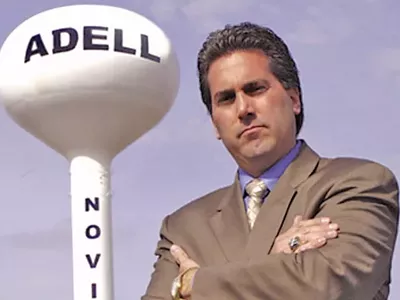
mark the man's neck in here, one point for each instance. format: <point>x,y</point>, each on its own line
<point>253,167</point>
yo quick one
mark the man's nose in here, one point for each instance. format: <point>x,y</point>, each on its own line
<point>244,106</point>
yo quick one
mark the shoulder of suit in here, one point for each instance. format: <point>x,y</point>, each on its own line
<point>349,165</point>
<point>205,204</point>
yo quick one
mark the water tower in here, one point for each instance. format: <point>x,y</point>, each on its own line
<point>88,81</point>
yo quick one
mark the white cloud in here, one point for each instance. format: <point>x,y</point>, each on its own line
<point>201,9</point>
<point>177,130</point>
<point>324,24</point>
<point>320,22</point>
<point>387,65</point>
<point>56,238</point>
<point>388,60</point>
<point>202,15</point>
<point>308,32</point>
<point>41,262</point>
<point>165,10</point>
<point>270,8</point>
<point>325,20</point>
<point>313,10</point>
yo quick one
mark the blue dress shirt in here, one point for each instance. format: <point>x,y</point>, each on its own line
<point>271,176</point>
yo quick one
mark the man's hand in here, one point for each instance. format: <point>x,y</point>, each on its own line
<point>185,265</point>
<point>312,233</point>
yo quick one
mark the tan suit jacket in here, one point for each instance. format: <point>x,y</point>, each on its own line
<point>361,196</point>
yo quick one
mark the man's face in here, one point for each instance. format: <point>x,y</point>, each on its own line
<point>253,114</point>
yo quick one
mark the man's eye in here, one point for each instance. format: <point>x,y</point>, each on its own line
<point>226,98</point>
<point>256,89</point>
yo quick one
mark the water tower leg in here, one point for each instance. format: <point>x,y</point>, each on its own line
<point>91,229</point>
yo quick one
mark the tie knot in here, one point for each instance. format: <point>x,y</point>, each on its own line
<point>257,188</point>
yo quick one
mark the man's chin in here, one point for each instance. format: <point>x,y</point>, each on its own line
<point>256,152</point>
<point>257,149</point>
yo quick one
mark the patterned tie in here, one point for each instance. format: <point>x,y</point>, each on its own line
<point>257,190</point>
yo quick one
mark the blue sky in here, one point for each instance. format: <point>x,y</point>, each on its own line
<point>348,53</point>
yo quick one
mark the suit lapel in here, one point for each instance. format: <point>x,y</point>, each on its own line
<point>229,223</point>
<point>273,212</point>
<point>269,220</point>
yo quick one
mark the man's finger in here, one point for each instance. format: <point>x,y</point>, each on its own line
<point>178,253</point>
<point>317,240</point>
<point>313,222</point>
<point>318,228</point>
<point>297,220</point>
<point>331,234</point>
<point>314,244</point>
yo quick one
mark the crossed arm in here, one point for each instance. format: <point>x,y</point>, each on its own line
<point>353,266</point>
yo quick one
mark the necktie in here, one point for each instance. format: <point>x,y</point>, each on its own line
<point>257,190</point>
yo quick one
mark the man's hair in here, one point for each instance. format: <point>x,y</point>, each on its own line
<point>249,36</point>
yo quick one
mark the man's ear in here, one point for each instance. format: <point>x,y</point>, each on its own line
<point>296,103</point>
<point>217,135</point>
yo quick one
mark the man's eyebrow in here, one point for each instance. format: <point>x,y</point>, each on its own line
<point>253,83</point>
<point>247,85</point>
<point>224,93</point>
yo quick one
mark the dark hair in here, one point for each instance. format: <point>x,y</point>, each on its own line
<point>248,36</point>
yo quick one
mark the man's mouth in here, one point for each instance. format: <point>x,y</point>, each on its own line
<point>250,129</point>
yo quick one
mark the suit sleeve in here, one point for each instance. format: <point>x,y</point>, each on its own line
<point>165,268</point>
<point>364,202</point>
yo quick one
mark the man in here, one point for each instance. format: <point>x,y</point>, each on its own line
<point>230,243</point>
